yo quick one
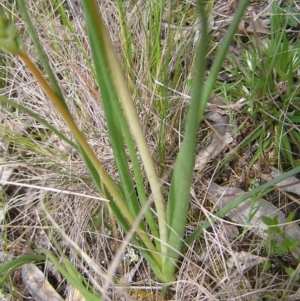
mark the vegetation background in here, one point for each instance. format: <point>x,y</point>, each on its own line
<point>250,133</point>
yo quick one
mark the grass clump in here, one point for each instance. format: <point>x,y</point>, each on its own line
<point>129,126</point>
<point>267,71</point>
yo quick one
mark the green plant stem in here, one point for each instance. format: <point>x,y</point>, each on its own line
<point>179,195</point>
<point>89,152</point>
<point>133,120</point>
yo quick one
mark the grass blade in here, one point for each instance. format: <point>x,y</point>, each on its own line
<point>182,176</point>
<point>113,88</point>
<point>39,119</point>
<point>70,274</point>
<point>12,265</point>
<point>222,52</point>
<point>42,56</point>
<point>259,190</point>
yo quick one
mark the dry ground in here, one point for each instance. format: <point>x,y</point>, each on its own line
<point>49,179</point>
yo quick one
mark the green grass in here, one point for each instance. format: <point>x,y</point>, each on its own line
<point>268,69</point>
<point>155,43</point>
<point>163,59</point>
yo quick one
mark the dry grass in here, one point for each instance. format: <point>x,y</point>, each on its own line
<point>39,158</point>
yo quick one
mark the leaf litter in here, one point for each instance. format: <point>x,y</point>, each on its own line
<point>222,135</point>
